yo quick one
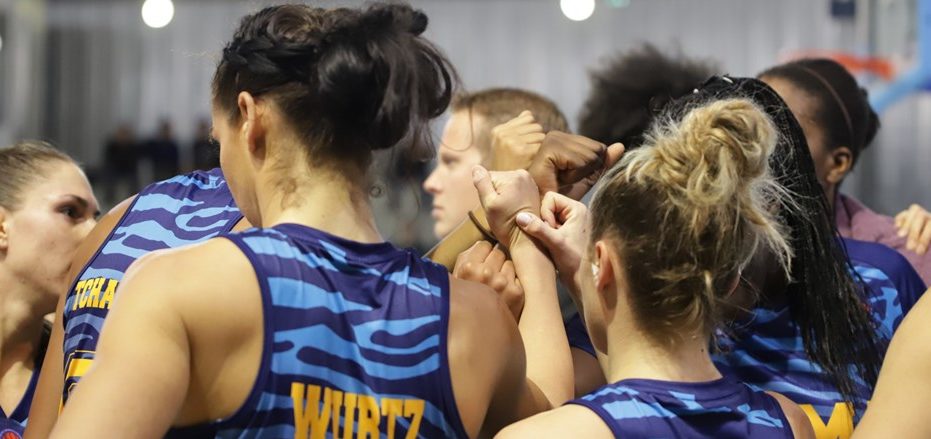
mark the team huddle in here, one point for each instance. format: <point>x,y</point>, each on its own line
<point>684,266</point>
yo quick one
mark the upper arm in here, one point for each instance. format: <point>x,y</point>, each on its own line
<point>798,420</point>
<point>903,391</point>
<point>141,368</point>
<point>47,399</point>
<point>588,374</point>
<point>488,363</point>
<point>566,421</point>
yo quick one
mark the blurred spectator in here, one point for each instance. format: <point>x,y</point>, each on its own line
<point>121,159</point>
<point>206,151</point>
<point>163,151</point>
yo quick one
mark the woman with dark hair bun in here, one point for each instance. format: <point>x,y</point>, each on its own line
<point>839,124</point>
<point>311,324</point>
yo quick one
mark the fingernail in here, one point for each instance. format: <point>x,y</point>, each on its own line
<point>524,219</point>
<point>901,234</point>
<point>478,173</point>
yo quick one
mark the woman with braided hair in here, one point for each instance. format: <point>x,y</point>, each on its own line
<point>670,231</point>
<point>311,324</point>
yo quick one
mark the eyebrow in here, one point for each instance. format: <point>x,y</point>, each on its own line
<point>82,202</point>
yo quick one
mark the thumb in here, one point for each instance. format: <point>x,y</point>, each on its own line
<point>537,229</point>
<point>482,181</point>
<point>613,154</point>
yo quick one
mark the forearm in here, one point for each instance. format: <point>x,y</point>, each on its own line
<point>458,241</point>
<point>549,361</point>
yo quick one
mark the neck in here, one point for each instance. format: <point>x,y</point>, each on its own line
<point>632,354</point>
<point>20,322</point>
<point>830,191</point>
<point>328,202</point>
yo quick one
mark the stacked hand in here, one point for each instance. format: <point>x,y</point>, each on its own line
<point>571,164</point>
<point>489,265</point>
<point>504,195</point>
<point>563,228</point>
<point>515,143</point>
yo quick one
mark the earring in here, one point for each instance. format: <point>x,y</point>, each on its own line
<point>594,270</point>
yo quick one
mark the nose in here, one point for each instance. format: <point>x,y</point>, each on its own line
<point>432,183</point>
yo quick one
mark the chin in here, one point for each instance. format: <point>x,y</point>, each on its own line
<point>440,231</point>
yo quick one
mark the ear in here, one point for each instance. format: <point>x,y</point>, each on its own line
<point>605,278</point>
<point>840,161</point>
<point>252,129</point>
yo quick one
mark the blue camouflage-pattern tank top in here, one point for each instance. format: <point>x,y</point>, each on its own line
<point>183,210</point>
<point>766,349</point>
<point>723,408</point>
<point>355,342</point>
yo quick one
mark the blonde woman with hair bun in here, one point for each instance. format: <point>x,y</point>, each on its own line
<point>669,232</point>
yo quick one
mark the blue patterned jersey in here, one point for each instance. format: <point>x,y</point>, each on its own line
<point>172,213</point>
<point>355,341</point>
<point>723,408</point>
<point>766,350</point>
<point>13,424</point>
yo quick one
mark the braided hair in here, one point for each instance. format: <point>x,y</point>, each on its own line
<point>350,81</point>
<point>825,296</point>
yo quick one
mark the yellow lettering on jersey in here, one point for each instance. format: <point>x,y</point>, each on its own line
<point>93,299</point>
<point>369,418</point>
<point>839,426</point>
<point>390,409</point>
<point>90,293</point>
<point>413,408</point>
<point>77,294</point>
<point>335,412</point>
<point>97,285</point>
<point>317,409</point>
<point>312,415</point>
<point>349,415</point>
<point>108,295</point>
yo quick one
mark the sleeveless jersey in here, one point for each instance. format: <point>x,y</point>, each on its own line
<point>723,408</point>
<point>13,424</point>
<point>355,341</point>
<point>766,349</point>
<point>172,213</point>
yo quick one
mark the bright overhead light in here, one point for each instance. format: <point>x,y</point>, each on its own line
<point>157,13</point>
<point>577,10</point>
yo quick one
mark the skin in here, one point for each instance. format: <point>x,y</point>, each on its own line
<point>55,213</point>
<point>450,183</point>
<point>903,392</point>
<point>45,405</point>
<point>831,164</point>
<point>200,360</point>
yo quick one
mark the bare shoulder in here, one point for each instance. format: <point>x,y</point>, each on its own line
<point>798,420</point>
<point>483,345</point>
<point>203,274</point>
<point>903,391</point>
<point>570,420</point>
<point>476,309</point>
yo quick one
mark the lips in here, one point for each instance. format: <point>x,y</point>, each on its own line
<point>436,213</point>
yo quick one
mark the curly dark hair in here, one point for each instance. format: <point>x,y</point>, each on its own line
<point>630,89</point>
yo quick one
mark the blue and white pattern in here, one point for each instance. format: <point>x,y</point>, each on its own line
<point>766,350</point>
<point>355,341</point>
<point>183,210</point>
<point>659,409</point>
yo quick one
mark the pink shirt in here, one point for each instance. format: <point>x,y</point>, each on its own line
<point>856,221</point>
